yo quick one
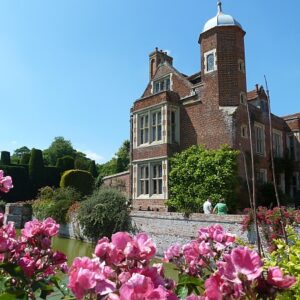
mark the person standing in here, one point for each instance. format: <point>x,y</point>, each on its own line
<point>207,207</point>
<point>221,208</point>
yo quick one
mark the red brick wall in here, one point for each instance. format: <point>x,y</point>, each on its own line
<point>120,181</point>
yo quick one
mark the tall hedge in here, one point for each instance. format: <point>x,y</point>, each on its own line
<point>51,176</point>
<point>36,169</point>
<point>65,163</point>
<point>80,180</point>
<point>21,189</point>
<point>5,158</point>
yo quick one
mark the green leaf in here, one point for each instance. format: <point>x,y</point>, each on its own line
<point>182,292</point>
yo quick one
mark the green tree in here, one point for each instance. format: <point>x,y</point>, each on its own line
<point>58,148</point>
<point>197,174</point>
<point>36,169</point>
<point>123,157</point>
<point>19,153</point>
<point>25,159</point>
<point>109,167</point>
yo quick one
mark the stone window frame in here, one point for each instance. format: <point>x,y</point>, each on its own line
<point>260,148</point>
<point>206,54</point>
<point>149,129</point>
<point>162,84</point>
<point>160,180</point>
<point>241,65</point>
<point>243,98</point>
<point>174,128</point>
<point>277,148</point>
<point>244,131</point>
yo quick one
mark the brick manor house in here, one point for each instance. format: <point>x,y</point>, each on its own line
<point>177,111</point>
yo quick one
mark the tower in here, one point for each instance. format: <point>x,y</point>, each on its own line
<point>223,60</point>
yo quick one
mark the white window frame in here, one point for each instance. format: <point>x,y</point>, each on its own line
<point>206,54</point>
<point>259,147</point>
<point>277,143</point>
<point>144,179</point>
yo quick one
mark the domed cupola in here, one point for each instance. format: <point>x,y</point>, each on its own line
<point>220,19</point>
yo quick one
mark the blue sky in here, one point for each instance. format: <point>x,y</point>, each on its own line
<point>73,68</point>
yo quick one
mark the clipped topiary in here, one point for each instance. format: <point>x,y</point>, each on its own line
<point>104,213</point>
<point>80,180</point>
<point>93,169</point>
<point>65,163</point>
<point>5,158</point>
<point>36,169</point>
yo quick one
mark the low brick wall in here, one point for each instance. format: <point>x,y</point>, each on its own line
<point>120,181</point>
<point>169,228</point>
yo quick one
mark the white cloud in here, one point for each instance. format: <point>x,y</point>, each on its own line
<point>14,142</point>
<point>93,156</point>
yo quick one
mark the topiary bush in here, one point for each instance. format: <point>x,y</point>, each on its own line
<point>80,180</point>
<point>104,213</point>
<point>65,163</point>
<point>51,176</point>
<point>36,169</point>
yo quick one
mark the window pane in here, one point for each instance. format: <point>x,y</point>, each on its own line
<point>160,186</point>
<point>154,187</point>
<point>146,172</point>
<point>210,62</point>
<point>146,135</point>
<point>159,133</point>
<point>146,187</point>
<point>167,84</point>
<point>153,119</point>
<point>159,118</point>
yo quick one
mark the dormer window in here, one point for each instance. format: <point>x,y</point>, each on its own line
<point>161,85</point>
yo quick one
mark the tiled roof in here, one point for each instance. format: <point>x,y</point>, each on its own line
<point>292,116</point>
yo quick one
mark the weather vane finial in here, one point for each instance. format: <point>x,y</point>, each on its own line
<point>219,7</point>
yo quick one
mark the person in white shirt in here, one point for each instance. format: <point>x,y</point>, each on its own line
<point>207,207</point>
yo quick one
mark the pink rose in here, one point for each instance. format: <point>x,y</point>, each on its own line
<point>172,252</point>
<point>147,248</point>
<point>28,265</point>
<point>50,227</point>
<point>5,183</point>
<point>276,278</point>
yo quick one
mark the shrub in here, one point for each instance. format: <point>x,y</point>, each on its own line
<point>36,169</point>
<point>5,158</point>
<point>197,174</point>
<point>104,213</point>
<point>54,203</point>
<point>80,180</point>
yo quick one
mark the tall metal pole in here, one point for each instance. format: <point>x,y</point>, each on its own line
<point>258,241</point>
<point>282,222</point>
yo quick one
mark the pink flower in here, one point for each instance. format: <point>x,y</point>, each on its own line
<point>59,258</point>
<point>140,287</point>
<point>276,278</point>
<point>28,265</point>
<point>1,219</point>
<point>246,262</point>
<point>103,247</point>
<point>5,183</point>
<point>50,227</point>
<point>172,252</point>
<point>147,248</point>
<point>31,228</point>
<point>88,275</point>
